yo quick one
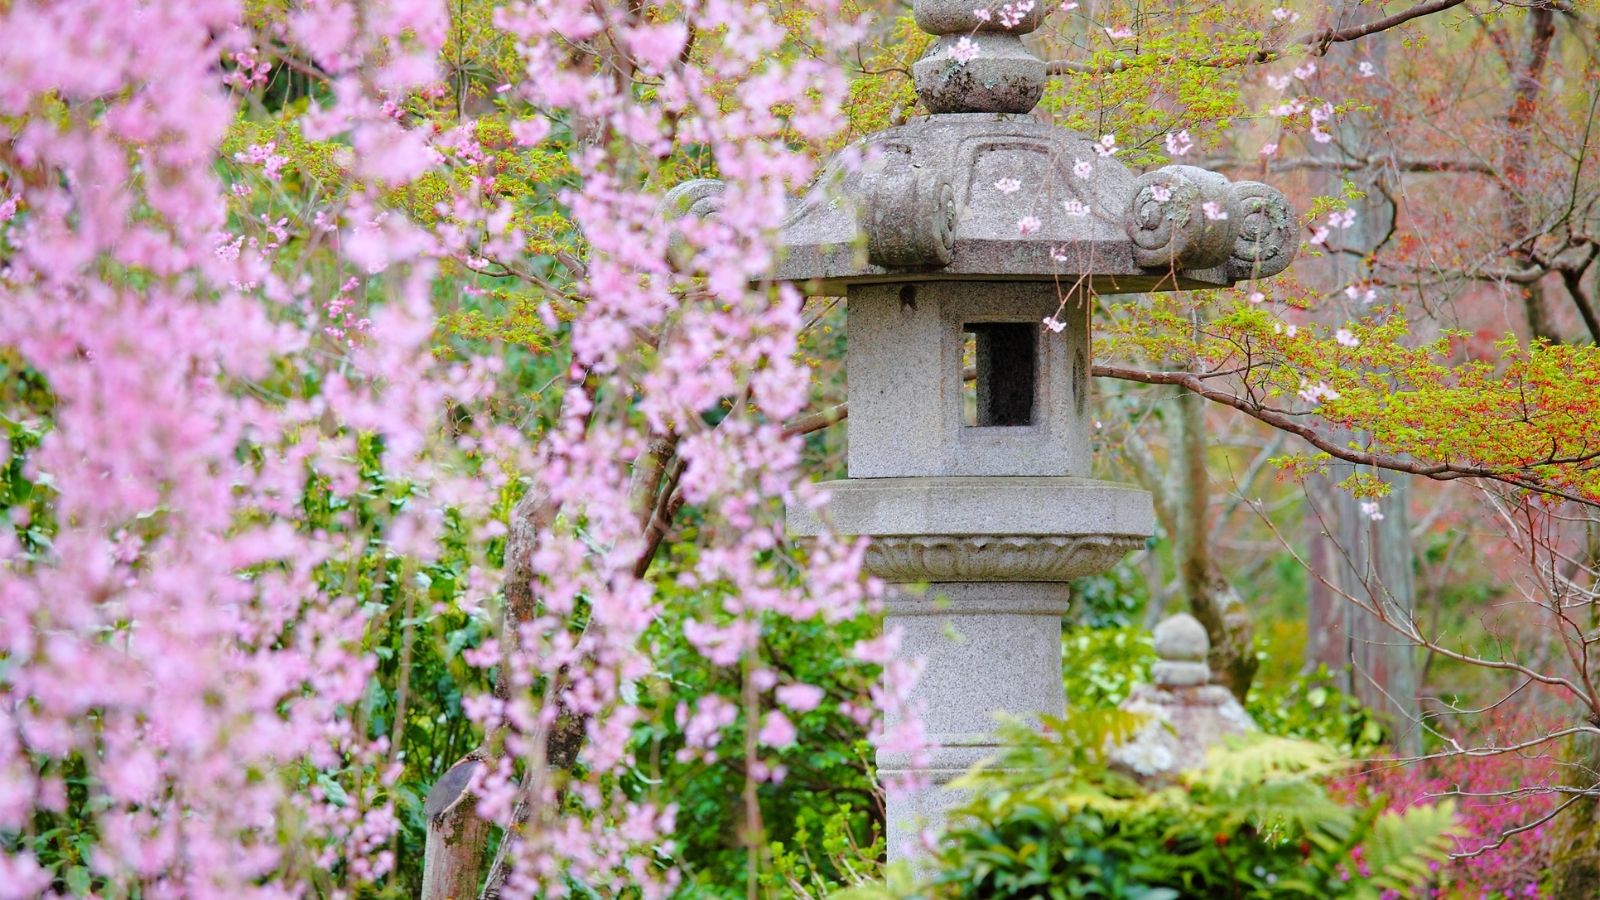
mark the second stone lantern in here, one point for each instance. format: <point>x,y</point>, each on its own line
<point>969,245</point>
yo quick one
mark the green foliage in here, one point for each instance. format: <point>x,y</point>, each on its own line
<point>1174,77</point>
<point>1523,414</point>
<point>1054,819</point>
<point>822,823</point>
<point>1101,665</point>
<point>25,496</point>
<point>839,859</point>
<point>885,95</point>
<point>1112,600</point>
<point>1308,706</point>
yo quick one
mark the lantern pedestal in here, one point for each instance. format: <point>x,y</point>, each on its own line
<point>989,650</point>
<point>979,568</point>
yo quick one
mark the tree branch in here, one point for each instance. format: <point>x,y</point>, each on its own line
<point>1424,164</point>
<point>1319,41</point>
<point>1440,471</point>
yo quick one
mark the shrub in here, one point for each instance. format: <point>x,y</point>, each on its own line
<point>1054,820</point>
<point>1494,794</point>
<point>1103,665</point>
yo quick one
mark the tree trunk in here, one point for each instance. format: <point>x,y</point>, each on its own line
<point>453,860</point>
<point>1575,835</point>
<point>1378,572</point>
<point>1521,114</point>
<point>1327,644</point>
<point>457,842</point>
<point>1370,560</point>
<point>1181,504</point>
<point>1212,599</point>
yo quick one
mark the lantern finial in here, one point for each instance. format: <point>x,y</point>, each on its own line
<point>978,64</point>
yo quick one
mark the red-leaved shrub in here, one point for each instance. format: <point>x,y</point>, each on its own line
<point>1494,794</point>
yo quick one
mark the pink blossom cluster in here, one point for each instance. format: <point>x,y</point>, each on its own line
<point>177,637</point>
<point>182,634</point>
<point>681,315</point>
<point>1012,14</point>
<point>265,156</point>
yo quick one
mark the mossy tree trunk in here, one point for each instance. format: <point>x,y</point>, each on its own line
<point>1575,837</point>
<point>1212,597</point>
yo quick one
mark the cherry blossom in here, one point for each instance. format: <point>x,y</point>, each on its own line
<point>1012,14</point>
<point>264,155</point>
<point>530,132</point>
<point>1213,211</point>
<point>776,730</point>
<point>1319,116</point>
<point>1028,225</point>
<point>1107,145</point>
<point>1365,295</point>
<point>800,697</point>
<point>1008,185</point>
<point>1288,108</point>
<point>1179,144</point>
<point>1316,393</point>
<point>190,640</point>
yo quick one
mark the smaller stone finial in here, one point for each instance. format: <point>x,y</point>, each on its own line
<point>978,63</point>
<point>1187,715</point>
<point>1181,648</point>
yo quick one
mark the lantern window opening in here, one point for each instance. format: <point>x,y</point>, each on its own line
<point>1004,358</point>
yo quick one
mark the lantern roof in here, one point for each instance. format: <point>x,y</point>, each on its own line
<point>983,190</point>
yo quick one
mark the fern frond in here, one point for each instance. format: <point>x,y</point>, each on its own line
<point>1257,758</point>
<point>1402,844</point>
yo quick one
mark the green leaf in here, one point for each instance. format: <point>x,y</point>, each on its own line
<point>332,789</point>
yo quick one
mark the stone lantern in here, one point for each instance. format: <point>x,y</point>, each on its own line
<point>968,308</point>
